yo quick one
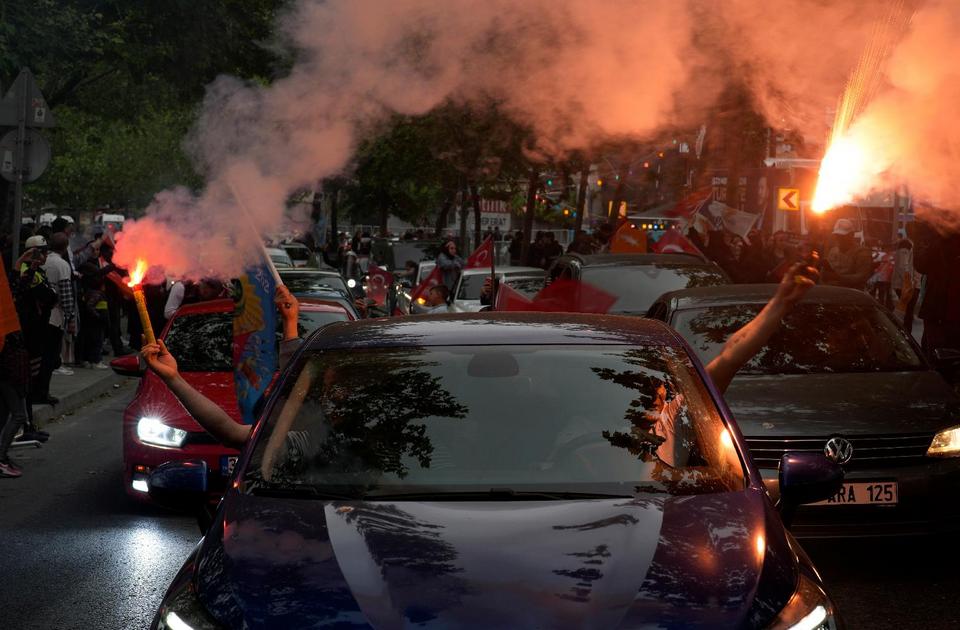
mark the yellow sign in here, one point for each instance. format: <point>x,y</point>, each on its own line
<point>788,198</point>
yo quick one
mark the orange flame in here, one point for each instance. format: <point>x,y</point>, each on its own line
<point>139,271</point>
<point>843,175</point>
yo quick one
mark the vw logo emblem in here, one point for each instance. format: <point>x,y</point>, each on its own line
<point>838,450</point>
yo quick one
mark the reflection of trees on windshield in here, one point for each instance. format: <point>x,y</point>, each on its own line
<point>417,565</point>
<point>367,434</point>
<point>813,338</point>
<point>698,276</point>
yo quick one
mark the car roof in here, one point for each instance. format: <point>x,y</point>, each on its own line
<point>733,294</point>
<point>318,305</point>
<point>309,271</point>
<point>532,271</point>
<point>220,305</point>
<point>495,328</point>
<point>632,260</point>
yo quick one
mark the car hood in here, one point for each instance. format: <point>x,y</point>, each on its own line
<point>156,399</point>
<point>851,404</point>
<point>647,562</point>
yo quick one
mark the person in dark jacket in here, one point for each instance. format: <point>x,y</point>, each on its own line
<point>936,253</point>
<point>450,265</point>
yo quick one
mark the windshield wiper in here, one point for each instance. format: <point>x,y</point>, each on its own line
<point>494,494</point>
<point>299,492</point>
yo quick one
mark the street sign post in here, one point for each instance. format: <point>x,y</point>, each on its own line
<point>24,154</point>
<point>788,199</point>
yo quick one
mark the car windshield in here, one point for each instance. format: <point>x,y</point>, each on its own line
<point>637,287</point>
<point>306,284</point>
<point>297,253</point>
<point>395,255</point>
<point>814,338</point>
<point>610,419</point>
<point>309,321</point>
<point>280,259</point>
<point>471,285</point>
<point>202,342</point>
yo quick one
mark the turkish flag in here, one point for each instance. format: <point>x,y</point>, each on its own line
<point>378,281</point>
<point>509,299</point>
<point>673,242</point>
<point>629,240</point>
<point>482,256</point>
<point>8,311</point>
<point>430,281</point>
<point>573,296</point>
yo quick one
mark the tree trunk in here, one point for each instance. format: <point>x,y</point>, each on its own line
<point>384,217</point>
<point>464,192</point>
<point>334,206</point>
<point>443,215</point>
<point>475,196</point>
<point>581,198</point>
<point>614,213</point>
<point>528,215</point>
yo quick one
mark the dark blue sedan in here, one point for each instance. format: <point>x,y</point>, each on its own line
<point>498,471</point>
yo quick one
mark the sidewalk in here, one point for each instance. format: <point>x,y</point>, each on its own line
<point>74,391</point>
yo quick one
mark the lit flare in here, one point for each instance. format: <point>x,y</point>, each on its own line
<point>136,283</point>
<point>843,175</point>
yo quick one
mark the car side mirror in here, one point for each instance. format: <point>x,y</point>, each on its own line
<point>180,486</point>
<point>128,366</point>
<point>806,478</point>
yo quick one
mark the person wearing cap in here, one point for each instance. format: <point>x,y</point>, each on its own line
<point>848,263</point>
<point>34,299</point>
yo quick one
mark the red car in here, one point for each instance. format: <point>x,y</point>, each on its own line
<point>156,427</point>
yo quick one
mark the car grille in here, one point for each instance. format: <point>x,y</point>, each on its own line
<point>869,451</point>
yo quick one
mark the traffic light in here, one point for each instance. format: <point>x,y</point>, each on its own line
<point>646,165</point>
<point>599,182</point>
<point>549,182</point>
<point>566,212</point>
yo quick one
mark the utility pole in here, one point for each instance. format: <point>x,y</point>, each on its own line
<point>532,188</point>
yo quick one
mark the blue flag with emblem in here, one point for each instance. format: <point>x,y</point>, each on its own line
<point>255,351</point>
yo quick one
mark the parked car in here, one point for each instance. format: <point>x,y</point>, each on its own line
<point>638,279</point>
<point>466,295</point>
<point>298,252</point>
<point>840,378</point>
<point>497,470</point>
<point>392,254</point>
<point>279,257</point>
<point>314,281</point>
<point>156,427</point>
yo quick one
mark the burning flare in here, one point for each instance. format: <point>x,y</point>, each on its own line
<point>843,175</point>
<point>139,271</point>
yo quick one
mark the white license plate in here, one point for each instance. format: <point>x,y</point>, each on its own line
<point>227,464</point>
<point>865,493</point>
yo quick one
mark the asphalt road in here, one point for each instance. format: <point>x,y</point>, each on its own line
<point>76,553</point>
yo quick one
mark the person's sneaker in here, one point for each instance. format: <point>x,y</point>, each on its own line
<point>64,370</point>
<point>100,366</point>
<point>9,470</point>
<point>32,436</point>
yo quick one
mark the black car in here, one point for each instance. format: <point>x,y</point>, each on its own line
<point>393,254</point>
<point>841,378</point>
<point>638,279</point>
<point>501,470</point>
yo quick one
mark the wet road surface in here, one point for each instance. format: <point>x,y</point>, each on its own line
<point>77,553</point>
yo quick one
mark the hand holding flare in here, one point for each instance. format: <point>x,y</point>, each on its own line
<point>136,283</point>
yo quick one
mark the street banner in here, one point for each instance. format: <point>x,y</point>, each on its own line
<point>481,256</point>
<point>673,242</point>
<point>255,350</point>
<point>8,312</point>
<point>509,299</point>
<point>629,240</point>
<point>378,282</point>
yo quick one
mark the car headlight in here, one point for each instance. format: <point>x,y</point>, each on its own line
<point>946,443</point>
<point>152,431</point>
<point>808,609</point>
<point>183,610</point>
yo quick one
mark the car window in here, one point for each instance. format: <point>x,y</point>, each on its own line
<point>297,253</point>
<point>202,342</point>
<point>814,338</point>
<point>637,287</point>
<point>305,284</point>
<point>616,419</point>
<point>309,321</point>
<point>527,286</point>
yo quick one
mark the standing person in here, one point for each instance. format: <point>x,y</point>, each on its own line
<point>937,254</point>
<point>63,317</point>
<point>551,250</point>
<point>14,383</point>
<point>450,265</point>
<point>94,316</point>
<point>905,281</point>
<point>34,299</point>
<point>114,289</point>
<point>848,263</point>
<point>516,247</point>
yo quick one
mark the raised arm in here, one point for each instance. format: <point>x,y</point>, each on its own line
<point>746,342</point>
<point>207,413</point>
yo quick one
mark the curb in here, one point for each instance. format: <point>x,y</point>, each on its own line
<point>69,403</point>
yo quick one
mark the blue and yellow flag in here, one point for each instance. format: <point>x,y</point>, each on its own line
<point>255,357</point>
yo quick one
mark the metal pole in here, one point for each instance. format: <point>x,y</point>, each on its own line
<point>18,180</point>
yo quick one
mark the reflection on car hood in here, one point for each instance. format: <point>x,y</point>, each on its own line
<point>609,563</point>
<point>824,404</point>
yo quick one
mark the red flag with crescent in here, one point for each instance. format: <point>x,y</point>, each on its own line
<point>481,256</point>
<point>378,282</point>
<point>673,242</point>
<point>509,299</point>
<point>430,281</point>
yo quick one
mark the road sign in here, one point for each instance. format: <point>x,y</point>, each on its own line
<point>36,155</point>
<point>788,198</point>
<point>25,92</point>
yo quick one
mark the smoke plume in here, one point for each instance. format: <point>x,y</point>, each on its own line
<point>577,72</point>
